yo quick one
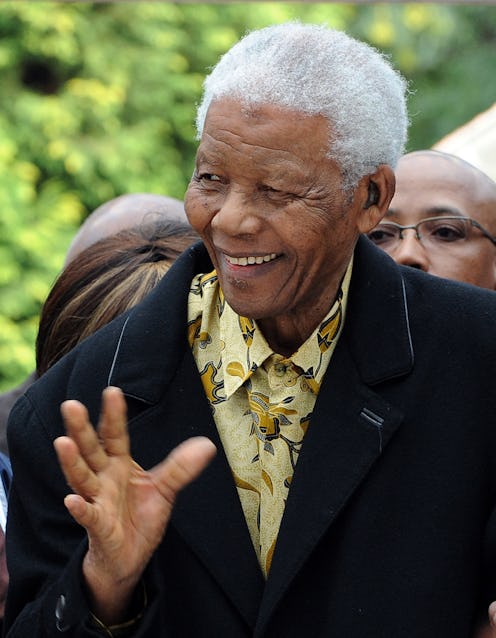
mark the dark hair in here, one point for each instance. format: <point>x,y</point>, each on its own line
<point>103,281</point>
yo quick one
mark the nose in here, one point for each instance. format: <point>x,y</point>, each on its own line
<point>411,252</point>
<point>237,215</point>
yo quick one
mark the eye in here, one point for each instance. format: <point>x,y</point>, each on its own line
<point>277,195</point>
<point>209,177</point>
<point>269,189</point>
<point>209,182</point>
<point>447,231</point>
<point>382,235</point>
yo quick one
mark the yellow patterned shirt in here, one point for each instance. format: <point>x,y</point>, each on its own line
<point>262,402</point>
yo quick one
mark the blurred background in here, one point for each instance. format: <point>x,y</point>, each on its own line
<point>98,99</point>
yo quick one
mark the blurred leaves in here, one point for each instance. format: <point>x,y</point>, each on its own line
<point>99,99</point>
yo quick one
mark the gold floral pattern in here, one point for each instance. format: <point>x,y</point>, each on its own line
<point>262,402</point>
<point>269,417</point>
<point>212,384</point>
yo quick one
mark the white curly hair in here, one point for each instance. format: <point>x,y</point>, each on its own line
<point>314,70</point>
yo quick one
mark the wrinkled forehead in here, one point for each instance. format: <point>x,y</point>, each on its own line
<point>259,110</point>
<point>266,126</point>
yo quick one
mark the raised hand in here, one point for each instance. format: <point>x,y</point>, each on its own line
<point>124,509</point>
<point>490,630</point>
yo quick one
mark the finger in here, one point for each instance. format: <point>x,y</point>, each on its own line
<point>112,427</point>
<point>79,428</point>
<point>76,471</point>
<point>492,615</point>
<point>81,511</point>
<point>182,466</point>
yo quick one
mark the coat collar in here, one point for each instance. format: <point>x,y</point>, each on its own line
<point>155,330</point>
<point>153,337</point>
<point>378,323</point>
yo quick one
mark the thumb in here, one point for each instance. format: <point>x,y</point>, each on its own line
<point>182,466</point>
<point>492,617</point>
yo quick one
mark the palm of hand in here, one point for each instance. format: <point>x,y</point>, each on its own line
<point>124,509</point>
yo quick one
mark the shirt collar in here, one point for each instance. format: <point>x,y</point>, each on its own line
<point>245,347</point>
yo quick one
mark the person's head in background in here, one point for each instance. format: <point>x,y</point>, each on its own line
<point>455,205</point>
<point>104,280</point>
<point>123,212</point>
<point>111,217</point>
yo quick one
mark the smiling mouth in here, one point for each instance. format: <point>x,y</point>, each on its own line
<point>250,261</point>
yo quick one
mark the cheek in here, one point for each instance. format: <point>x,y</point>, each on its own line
<point>482,270</point>
<point>197,210</point>
<point>476,268</point>
<point>320,250</point>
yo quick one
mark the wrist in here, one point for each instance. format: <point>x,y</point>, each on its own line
<point>109,598</point>
<point>134,614</point>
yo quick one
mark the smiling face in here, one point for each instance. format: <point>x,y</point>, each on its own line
<point>432,184</point>
<point>269,206</point>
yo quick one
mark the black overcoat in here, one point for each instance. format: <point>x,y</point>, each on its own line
<point>388,529</point>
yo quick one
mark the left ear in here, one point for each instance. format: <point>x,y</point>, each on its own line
<point>373,195</point>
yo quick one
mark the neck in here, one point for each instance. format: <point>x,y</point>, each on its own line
<point>286,333</point>
<point>282,336</point>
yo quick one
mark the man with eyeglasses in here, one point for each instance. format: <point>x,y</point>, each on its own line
<point>442,219</point>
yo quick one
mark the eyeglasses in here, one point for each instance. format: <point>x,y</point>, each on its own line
<point>434,232</point>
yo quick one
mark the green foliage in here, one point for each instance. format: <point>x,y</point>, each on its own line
<point>99,99</point>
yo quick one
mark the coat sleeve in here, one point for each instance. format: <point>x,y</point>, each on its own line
<point>45,546</point>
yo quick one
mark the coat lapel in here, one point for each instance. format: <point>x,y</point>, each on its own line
<point>208,513</point>
<point>351,424</point>
<point>350,428</point>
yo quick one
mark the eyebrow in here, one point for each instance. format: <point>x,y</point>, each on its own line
<point>433,211</point>
<point>210,157</point>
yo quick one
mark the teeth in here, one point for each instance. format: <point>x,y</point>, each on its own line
<point>248,261</point>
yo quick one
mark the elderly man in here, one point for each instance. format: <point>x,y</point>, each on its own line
<point>352,490</point>
<point>442,219</point>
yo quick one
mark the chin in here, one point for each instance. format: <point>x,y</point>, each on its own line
<point>250,308</point>
<point>246,301</point>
